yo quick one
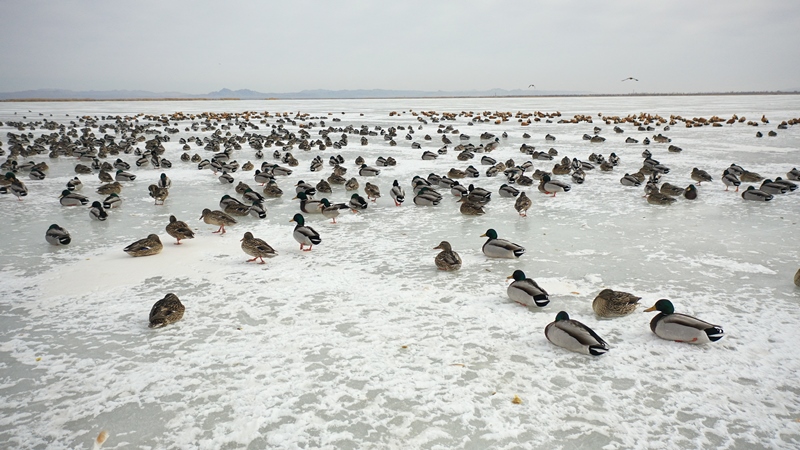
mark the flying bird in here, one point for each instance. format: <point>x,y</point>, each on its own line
<point>631,78</point>
<point>534,86</point>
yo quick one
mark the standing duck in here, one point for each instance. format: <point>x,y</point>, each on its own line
<point>357,203</point>
<point>217,218</point>
<point>700,176</point>
<point>672,326</point>
<point>447,259</point>
<point>522,204</point>
<point>307,205</point>
<point>575,336</point>
<point>158,194</point>
<point>256,248</point>
<point>500,248</point>
<point>397,193</point>
<point>57,235</point>
<point>303,234</point>
<point>179,230</point>
<point>151,245</point>
<point>166,311</point>
<point>610,303</point>
<point>552,186</point>
<point>526,291</point>
<point>331,210</point>
<point>373,191</point>
<point>729,179</point>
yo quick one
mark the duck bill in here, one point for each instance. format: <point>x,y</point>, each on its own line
<point>483,235</point>
<point>650,309</point>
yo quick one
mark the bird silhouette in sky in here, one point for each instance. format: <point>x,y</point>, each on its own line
<point>534,86</point>
<point>631,78</point>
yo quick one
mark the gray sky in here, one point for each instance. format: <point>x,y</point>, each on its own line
<point>285,46</point>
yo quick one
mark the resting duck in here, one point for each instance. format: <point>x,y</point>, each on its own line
<point>500,248</point>
<point>680,327</point>
<point>367,171</point>
<point>657,198</point>
<point>756,195</point>
<point>303,234</point>
<point>427,197</point>
<point>447,259</point>
<point>97,212</point>
<point>324,187</point>
<point>470,208</point>
<point>691,192</point>
<point>526,291</point>
<point>106,189</point>
<point>610,303</point>
<point>351,184</point>
<point>74,184</point>
<point>158,194</point>
<point>256,248</point>
<point>68,198</point>
<point>508,191</point>
<point>179,230</point>
<point>121,175</point>
<point>166,311</point>
<point>575,336</point>
<point>672,190</point>
<point>217,218</point>
<point>357,203</point>
<point>271,190</point>
<point>151,245</point>
<point>57,235</point>
<point>112,201</point>
<point>252,196</point>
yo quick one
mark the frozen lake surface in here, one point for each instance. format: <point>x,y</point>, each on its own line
<point>362,343</point>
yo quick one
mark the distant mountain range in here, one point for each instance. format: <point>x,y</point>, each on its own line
<point>247,94</point>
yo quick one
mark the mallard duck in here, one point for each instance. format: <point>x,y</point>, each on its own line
<point>36,175</point>
<point>657,198</point>
<point>121,175</point>
<point>447,259</point>
<point>500,248</point>
<point>351,184</point>
<point>331,210</point>
<point>74,184</point>
<point>357,203</point>
<point>242,187</point>
<point>68,198</point>
<point>508,191</point>
<point>553,186</point>
<point>629,180</point>
<point>691,192</point>
<point>109,188</point>
<point>700,176</point>
<point>367,171</point>
<point>680,327</point>
<point>262,177</point>
<point>756,195</point>
<point>82,169</point>
<point>470,208</point>
<point>303,234</point>
<point>788,184</point>
<point>225,178</point>
<point>672,190</point>
<point>277,170</point>
<point>256,248</point>
<point>305,188</point>
<point>105,177</point>
<point>236,208</point>
<point>526,291</point>
<point>179,230</point>
<point>797,278</point>
<point>258,210</point>
<point>336,179</point>
<point>97,212</point>
<point>729,179</point>
<point>522,204</point>
<point>427,197</point>
<point>458,190</point>
<point>166,311</point>
<point>479,195</point>
<point>574,336</point>
<point>112,201</point>
<point>793,174</point>
<point>373,191</point>
<point>456,173</point>
<point>252,196</point>
<point>121,165</point>
<point>750,177</point>
<point>770,187</point>
<point>248,166</point>
<point>151,245</point>
<point>397,193</point>
<point>271,190</point>
<point>57,235</point>
<point>579,176</point>
<point>610,303</point>
<point>158,194</point>
<point>217,218</point>
<point>164,182</point>
<point>307,205</point>
<point>324,187</point>
<point>14,186</point>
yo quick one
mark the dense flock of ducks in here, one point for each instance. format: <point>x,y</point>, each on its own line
<point>87,140</point>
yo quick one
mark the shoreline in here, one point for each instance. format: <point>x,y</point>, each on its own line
<point>194,99</point>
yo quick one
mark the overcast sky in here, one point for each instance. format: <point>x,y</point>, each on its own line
<point>285,46</point>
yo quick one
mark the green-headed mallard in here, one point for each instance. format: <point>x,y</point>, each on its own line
<point>68,198</point>
<point>151,245</point>
<point>610,303</point>
<point>357,203</point>
<point>367,171</point>
<point>164,182</point>
<point>522,204</point>
<point>552,186</point>
<point>729,179</point>
<point>331,210</point>
<point>256,248</point>
<point>427,197</point>
<point>500,248</point>
<point>112,201</point>
<point>373,191</point>
<point>179,230</point>
<point>57,235</point>
<point>397,193</point>
<point>508,191</point>
<point>158,194</point>
<point>751,193</point>
<point>447,259</point>
<point>252,196</point>
<point>121,175</point>
<point>526,291</point>
<point>574,336</point>
<point>217,218</point>
<point>97,212</point>
<point>303,234</point>
<point>307,205</point>
<point>75,184</point>
<point>672,326</point>
<point>263,177</point>
<point>166,311</point>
